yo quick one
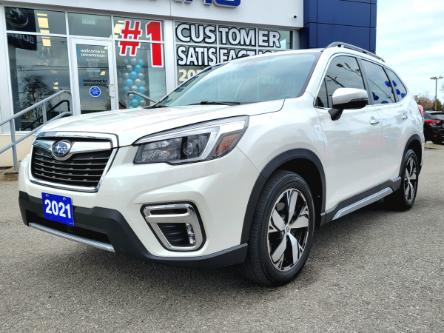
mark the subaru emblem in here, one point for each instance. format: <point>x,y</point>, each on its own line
<point>61,149</point>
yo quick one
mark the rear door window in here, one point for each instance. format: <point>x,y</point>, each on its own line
<point>379,84</point>
<point>398,87</point>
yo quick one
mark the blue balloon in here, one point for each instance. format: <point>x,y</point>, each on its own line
<point>141,62</point>
<point>133,61</point>
<point>129,82</point>
<point>141,89</point>
<point>133,75</point>
<point>138,68</point>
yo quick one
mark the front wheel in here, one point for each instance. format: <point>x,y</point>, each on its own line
<point>404,198</point>
<point>282,231</point>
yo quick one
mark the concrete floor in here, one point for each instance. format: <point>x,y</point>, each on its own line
<point>372,271</point>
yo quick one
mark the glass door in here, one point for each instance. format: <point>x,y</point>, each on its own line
<point>94,81</point>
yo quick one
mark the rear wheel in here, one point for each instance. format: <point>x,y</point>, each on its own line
<point>282,231</point>
<point>405,196</point>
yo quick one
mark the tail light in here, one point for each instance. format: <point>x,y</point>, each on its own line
<point>433,122</point>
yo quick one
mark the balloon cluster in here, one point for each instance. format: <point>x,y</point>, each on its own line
<point>133,79</point>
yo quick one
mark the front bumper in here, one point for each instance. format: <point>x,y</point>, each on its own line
<point>108,229</point>
<point>219,189</point>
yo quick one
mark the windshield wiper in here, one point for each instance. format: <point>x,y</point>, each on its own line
<point>216,103</point>
<point>155,106</point>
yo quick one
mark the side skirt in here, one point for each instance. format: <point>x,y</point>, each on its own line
<point>361,200</point>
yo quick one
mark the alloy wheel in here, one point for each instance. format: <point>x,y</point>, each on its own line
<point>288,229</point>
<point>410,179</point>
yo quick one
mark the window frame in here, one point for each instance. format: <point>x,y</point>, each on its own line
<point>364,75</point>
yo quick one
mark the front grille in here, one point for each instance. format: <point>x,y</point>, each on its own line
<point>82,169</point>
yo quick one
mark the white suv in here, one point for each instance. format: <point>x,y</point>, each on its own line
<point>239,165</point>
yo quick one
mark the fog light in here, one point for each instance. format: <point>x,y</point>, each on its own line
<point>176,225</point>
<point>191,234</point>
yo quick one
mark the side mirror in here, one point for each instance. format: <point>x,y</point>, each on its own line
<point>347,98</point>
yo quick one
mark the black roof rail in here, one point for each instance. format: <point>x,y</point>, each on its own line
<point>354,48</point>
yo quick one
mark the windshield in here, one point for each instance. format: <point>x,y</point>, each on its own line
<point>249,80</point>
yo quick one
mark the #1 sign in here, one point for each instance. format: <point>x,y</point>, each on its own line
<point>132,31</point>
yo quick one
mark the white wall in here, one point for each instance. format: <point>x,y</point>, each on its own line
<point>264,12</point>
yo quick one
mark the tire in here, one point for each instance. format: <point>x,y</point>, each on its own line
<point>404,198</point>
<point>271,231</point>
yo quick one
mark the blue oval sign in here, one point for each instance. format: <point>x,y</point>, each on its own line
<point>95,91</point>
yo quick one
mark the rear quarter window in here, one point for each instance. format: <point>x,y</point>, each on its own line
<point>398,87</point>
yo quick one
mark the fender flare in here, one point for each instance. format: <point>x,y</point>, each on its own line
<point>267,172</point>
<point>413,138</point>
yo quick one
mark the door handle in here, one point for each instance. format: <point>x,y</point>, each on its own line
<point>374,121</point>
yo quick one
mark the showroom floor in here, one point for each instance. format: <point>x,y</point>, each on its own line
<point>371,271</point>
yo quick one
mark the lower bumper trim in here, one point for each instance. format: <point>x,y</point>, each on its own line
<point>90,242</point>
<point>104,224</point>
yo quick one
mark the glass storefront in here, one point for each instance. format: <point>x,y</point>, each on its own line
<point>89,25</point>
<point>140,60</point>
<point>115,62</point>
<point>38,62</point>
<point>106,62</point>
<point>201,45</point>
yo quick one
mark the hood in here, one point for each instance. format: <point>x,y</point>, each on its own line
<point>130,125</point>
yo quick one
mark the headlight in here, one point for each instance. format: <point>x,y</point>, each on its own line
<point>194,143</point>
